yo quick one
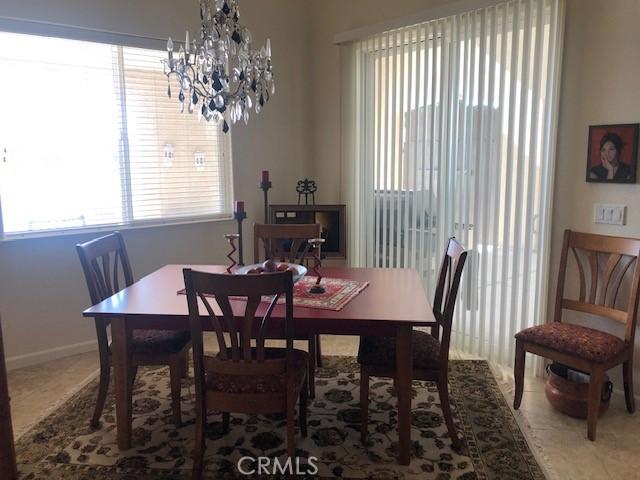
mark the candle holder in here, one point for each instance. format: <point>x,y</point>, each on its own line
<point>316,244</point>
<point>265,185</point>
<point>240,216</point>
<point>231,238</point>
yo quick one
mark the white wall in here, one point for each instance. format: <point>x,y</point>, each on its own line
<point>42,291</point>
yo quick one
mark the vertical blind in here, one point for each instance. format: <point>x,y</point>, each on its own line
<point>450,128</point>
<point>88,138</point>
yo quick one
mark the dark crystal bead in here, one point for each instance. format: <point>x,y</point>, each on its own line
<point>236,17</point>
<point>169,91</point>
<point>181,96</point>
<point>212,105</point>
<point>205,79</point>
<point>235,36</point>
<point>254,85</point>
<point>225,127</point>
<point>204,109</point>
<point>225,9</point>
<point>261,100</point>
<point>242,77</point>
<point>222,109</point>
<point>217,84</point>
<point>194,98</point>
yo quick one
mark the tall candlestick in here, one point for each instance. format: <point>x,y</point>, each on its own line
<point>265,185</point>
<point>240,215</point>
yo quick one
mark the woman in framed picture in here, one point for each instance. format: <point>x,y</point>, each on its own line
<point>612,153</point>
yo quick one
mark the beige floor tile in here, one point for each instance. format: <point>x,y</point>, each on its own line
<point>35,390</point>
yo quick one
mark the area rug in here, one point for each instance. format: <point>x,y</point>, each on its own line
<point>63,446</point>
<point>338,292</point>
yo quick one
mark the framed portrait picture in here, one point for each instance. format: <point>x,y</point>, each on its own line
<point>613,153</point>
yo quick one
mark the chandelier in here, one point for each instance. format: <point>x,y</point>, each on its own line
<point>221,75</point>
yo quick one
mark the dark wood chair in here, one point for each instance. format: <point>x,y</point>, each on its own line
<point>377,355</point>
<point>243,378</point>
<point>288,243</point>
<point>587,349</point>
<point>8,469</point>
<point>102,259</point>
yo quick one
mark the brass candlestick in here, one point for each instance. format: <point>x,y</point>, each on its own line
<point>231,238</point>
<point>316,244</point>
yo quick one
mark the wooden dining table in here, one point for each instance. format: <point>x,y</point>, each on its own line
<point>392,304</point>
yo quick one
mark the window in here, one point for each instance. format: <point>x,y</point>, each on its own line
<point>89,138</point>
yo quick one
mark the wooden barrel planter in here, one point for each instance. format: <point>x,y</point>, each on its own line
<point>568,391</point>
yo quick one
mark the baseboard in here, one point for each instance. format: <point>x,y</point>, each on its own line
<point>21,361</point>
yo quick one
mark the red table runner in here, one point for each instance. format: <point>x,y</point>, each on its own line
<point>338,292</point>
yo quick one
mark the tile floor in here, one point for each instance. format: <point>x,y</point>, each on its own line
<point>559,441</point>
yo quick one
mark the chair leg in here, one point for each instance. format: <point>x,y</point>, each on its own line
<point>311,370</point>
<point>226,421</point>
<point>627,373</point>
<point>443,391</point>
<point>302,416</point>
<point>364,404</point>
<point>291,424</point>
<point>518,374</point>
<point>593,406</point>
<point>103,389</point>
<point>199,446</point>
<point>318,352</point>
<point>184,364</point>
<point>175,374</point>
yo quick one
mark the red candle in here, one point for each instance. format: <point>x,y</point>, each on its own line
<point>265,175</point>
<point>239,208</point>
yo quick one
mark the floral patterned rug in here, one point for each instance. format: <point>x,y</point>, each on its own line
<point>64,447</point>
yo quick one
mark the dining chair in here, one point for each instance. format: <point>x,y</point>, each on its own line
<point>586,349</point>
<point>377,355</point>
<point>288,243</point>
<point>8,469</point>
<point>102,259</point>
<point>243,378</point>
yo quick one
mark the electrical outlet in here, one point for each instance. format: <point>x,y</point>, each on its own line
<point>610,214</point>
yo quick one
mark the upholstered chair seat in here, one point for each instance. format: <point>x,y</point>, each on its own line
<point>156,341</point>
<point>593,345</point>
<point>381,351</point>
<point>276,383</point>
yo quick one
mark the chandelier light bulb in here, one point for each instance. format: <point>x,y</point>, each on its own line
<point>221,69</point>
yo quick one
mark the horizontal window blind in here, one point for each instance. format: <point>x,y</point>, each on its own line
<point>88,138</point>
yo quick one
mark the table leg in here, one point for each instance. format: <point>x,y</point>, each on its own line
<point>121,360</point>
<point>404,375</point>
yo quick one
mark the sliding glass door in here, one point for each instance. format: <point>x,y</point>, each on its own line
<point>450,133</point>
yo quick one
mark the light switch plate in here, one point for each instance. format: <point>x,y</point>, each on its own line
<point>609,214</point>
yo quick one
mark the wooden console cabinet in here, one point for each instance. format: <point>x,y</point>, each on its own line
<point>331,217</point>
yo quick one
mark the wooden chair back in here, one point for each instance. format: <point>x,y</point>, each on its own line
<point>102,259</point>
<point>240,358</point>
<point>275,237</point>
<point>8,469</point>
<point>446,294</point>
<point>600,288</point>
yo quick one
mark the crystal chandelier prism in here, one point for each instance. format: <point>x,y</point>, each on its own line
<point>222,76</point>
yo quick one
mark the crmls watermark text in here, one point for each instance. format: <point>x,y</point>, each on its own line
<point>273,466</point>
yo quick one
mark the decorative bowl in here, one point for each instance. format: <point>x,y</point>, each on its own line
<point>301,269</point>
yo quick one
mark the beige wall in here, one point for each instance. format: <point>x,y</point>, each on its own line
<point>331,17</point>
<point>599,86</point>
<point>42,292</point>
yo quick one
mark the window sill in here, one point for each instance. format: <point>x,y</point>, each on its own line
<point>111,228</point>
